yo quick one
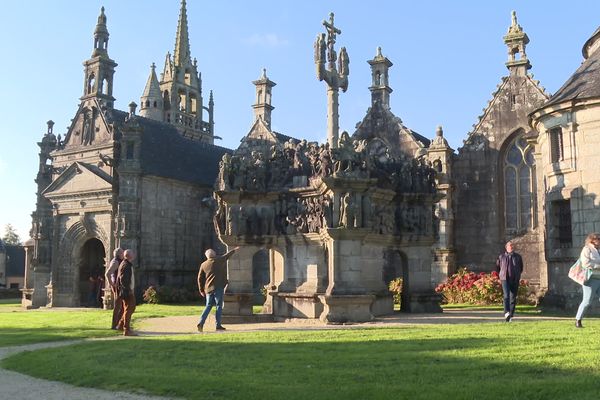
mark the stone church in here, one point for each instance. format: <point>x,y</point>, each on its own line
<point>323,227</point>
<point>120,179</point>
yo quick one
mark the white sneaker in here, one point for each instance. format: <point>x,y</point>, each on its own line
<point>507,317</point>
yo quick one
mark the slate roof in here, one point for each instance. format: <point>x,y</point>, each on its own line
<point>167,154</point>
<point>584,83</point>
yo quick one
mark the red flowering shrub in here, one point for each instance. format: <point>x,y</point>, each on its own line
<point>477,288</point>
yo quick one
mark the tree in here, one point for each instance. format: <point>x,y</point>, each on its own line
<point>11,236</point>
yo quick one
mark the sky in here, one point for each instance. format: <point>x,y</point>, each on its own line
<point>448,58</point>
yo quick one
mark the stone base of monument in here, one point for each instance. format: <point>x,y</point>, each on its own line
<point>237,304</point>
<point>296,305</point>
<point>339,309</point>
<point>382,305</point>
<point>424,302</point>
<point>240,319</point>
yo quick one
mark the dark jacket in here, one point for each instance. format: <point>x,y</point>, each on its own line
<point>124,276</point>
<point>509,266</point>
<point>213,273</point>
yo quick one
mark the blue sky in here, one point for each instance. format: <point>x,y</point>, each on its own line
<point>448,58</point>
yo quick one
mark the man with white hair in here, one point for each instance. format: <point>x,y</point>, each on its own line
<point>111,277</point>
<point>212,280</point>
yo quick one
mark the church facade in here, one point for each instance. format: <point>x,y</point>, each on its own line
<point>333,222</point>
<point>106,183</point>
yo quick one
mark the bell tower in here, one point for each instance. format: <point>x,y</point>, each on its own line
<point>262,107</point>
<point>380,89</point>
<point>99,69</point>
<point>181,88</point>
<point>516,40</point>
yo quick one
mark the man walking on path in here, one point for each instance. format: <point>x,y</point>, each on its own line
<point>509,266</point>
<point>111,277</point>
<point>212,280</point>
<point>125,290</point>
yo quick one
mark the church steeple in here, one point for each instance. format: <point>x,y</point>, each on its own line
<point>516,40</point>
<point>181,88</point>
<point>99,70</point>
<point>101,36</point>
<point>262,107</point>
<point>182,41</point>
<point>380,89</point>
<point>151,100</point>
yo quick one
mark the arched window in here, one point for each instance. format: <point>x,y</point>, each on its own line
<point>519,186</point>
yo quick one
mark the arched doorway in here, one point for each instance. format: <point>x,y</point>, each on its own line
<point>91,273</point>
<point>395,268</point>
<point>260,275</point>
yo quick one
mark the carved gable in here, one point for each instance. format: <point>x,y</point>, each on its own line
<point>89,127</point>
<point>77,180</point>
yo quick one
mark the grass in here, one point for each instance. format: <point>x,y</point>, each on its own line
<point>525,360</point>
<point>19,327</point>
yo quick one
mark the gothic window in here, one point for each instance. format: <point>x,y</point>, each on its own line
<point>129,147</point>
<point>91,83</point>
<point>561,231</point>
<point>557,153</point>
<point>519,193</point>
<point>105,87</point>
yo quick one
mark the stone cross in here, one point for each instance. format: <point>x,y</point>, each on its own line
<point>336,78</point>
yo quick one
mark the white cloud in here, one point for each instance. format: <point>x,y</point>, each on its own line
<point>265,40</point>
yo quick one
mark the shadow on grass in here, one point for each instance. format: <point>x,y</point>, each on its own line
<point>24,336</point>
<point>357,364</point>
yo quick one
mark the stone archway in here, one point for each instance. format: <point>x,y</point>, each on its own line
<point>91,272</point>
<point>396,266</point>
<point>66,290</point>
<point>260,275</point>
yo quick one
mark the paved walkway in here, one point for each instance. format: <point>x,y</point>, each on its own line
<point>187,324</point>
<point>23,387</point>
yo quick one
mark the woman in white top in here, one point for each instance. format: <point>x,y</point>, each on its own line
<point>590,258</point>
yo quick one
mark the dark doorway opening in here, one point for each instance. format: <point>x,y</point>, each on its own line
<point>91,273</point>
<point>260,276</point>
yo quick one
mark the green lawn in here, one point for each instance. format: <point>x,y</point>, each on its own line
<point>522,360</point>
<point>19,327</point>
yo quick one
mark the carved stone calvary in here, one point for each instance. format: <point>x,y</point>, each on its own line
<point>336,78</point>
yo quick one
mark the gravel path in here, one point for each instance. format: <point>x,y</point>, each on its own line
<point>23,387</point>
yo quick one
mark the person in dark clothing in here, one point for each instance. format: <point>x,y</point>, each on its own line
<point>212,280</point>
<point>509,266</point>
<point>125,292</point>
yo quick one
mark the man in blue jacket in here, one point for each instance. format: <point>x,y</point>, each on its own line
<point>509,266</point>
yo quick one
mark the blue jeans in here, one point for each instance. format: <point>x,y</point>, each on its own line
<point>215,297</point>
<point>590,288</point>
<point>509,292</point>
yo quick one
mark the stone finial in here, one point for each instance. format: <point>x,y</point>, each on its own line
<point>132,108</point>
<point>439,141</point>
<point>264,74</point>
<point>50,124</point>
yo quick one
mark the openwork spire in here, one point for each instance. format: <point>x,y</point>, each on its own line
<point>516,40</point>
<point>182,41</point>
<point>101,36</point>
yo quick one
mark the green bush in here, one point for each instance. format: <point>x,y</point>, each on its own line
<point>169,295</point>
